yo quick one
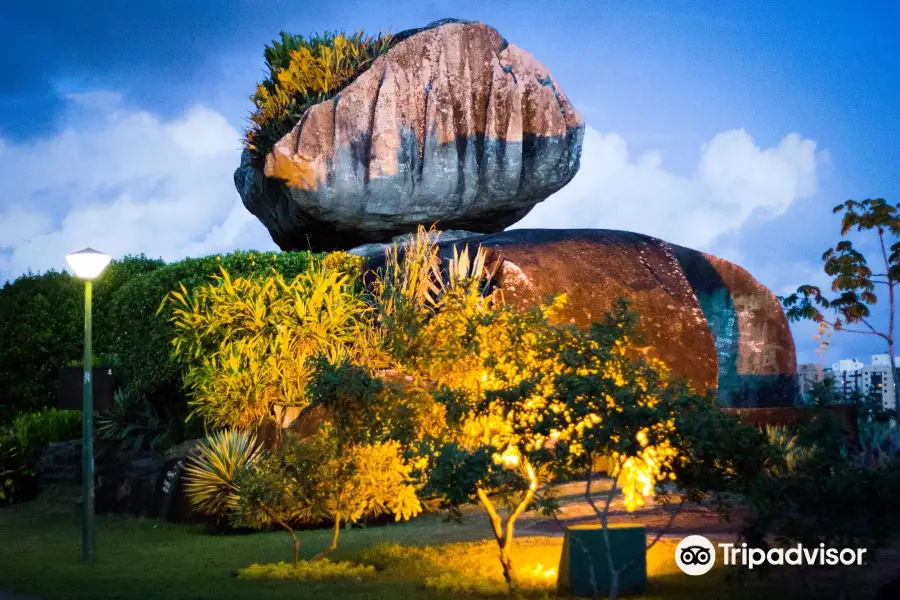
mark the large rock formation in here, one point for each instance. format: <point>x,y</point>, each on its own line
<point>708,319</point>
<point>452,125</point>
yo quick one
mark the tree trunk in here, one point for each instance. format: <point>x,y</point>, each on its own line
<point>509,573</point>
<point>334,539</point>
<point>894,374</point>
<point>890,335</point>
<point>288,528</point>
<point>505,535</point>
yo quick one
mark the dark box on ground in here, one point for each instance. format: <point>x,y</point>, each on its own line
<point>584,547</point>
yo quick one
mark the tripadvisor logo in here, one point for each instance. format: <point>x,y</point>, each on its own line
<point>695,555</point>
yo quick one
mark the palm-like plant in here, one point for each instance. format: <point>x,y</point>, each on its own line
<point>878,442</point>
<point>413,277</point>
<point>785,440</point>
<point>211,471</point>
<point>131,421</point>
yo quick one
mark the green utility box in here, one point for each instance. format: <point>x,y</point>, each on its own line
<point>584,546</point>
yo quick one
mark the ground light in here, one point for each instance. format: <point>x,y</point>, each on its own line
<point>87,264</point>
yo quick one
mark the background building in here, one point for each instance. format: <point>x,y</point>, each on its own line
<point>875,380</point>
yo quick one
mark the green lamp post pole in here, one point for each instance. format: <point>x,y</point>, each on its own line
<point>88,264</point>
<point>87,434</point>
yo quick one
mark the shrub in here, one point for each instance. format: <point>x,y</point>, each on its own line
<point>841,494</point>
<point>365,409</point>
<point>304,72</point>
<point>17,472</point>
<point>42,320</point>
<point>144,334</point>
<point>211,472</point>
<point>33,430</point>
<point>317,570</point>
<point>245,342</point>
<point>41,328</point>
<point>20,444</point>
<point>318,478</point>
<point>468,568</point>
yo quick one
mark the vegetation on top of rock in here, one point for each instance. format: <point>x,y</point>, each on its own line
<point>304,72</point>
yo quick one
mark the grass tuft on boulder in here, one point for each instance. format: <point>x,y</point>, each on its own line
<point>304,72</point>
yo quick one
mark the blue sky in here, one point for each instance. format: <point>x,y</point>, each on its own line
<point>731,127</point>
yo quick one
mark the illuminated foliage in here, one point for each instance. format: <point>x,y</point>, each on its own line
<point>245,342</point>
<point>211,473</point>
<point>366,409</point>
<point>310,480</point>
<point>304,72</point>
<point>522,395</point>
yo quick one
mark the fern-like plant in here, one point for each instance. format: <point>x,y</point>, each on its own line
<point>211,472</point>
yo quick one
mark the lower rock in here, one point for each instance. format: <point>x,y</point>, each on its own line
<point>709,320</point>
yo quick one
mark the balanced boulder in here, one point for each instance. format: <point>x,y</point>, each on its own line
<point>453,125</point>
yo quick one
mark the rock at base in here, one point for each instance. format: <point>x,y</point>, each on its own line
<point>709,320</point>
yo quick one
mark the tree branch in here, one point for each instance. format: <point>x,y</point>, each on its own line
<point>869,325</point>
<point>496,523</point>
<point>520,508</point>
<point>668,525</point>
<point>865,332</point>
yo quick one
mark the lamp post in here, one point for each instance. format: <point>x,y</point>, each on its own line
<point>87,265</point>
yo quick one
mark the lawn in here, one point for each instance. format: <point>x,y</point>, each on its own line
<point>149,559</point>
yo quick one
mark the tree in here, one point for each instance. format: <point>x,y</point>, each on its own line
<point>284,489</point>
<point>609,401</point>
<point>853,279</point>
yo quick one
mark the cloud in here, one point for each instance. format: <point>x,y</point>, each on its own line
<point>733,178</point>
<point>124,181</point>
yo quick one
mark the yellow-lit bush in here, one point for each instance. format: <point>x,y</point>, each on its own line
<point>318,570</point>
<point>244,342</point>
<point>470,568</point>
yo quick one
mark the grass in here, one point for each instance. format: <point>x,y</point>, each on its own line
<point>149,559</point>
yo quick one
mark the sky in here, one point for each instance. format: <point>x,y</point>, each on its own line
<point>729,127</point>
